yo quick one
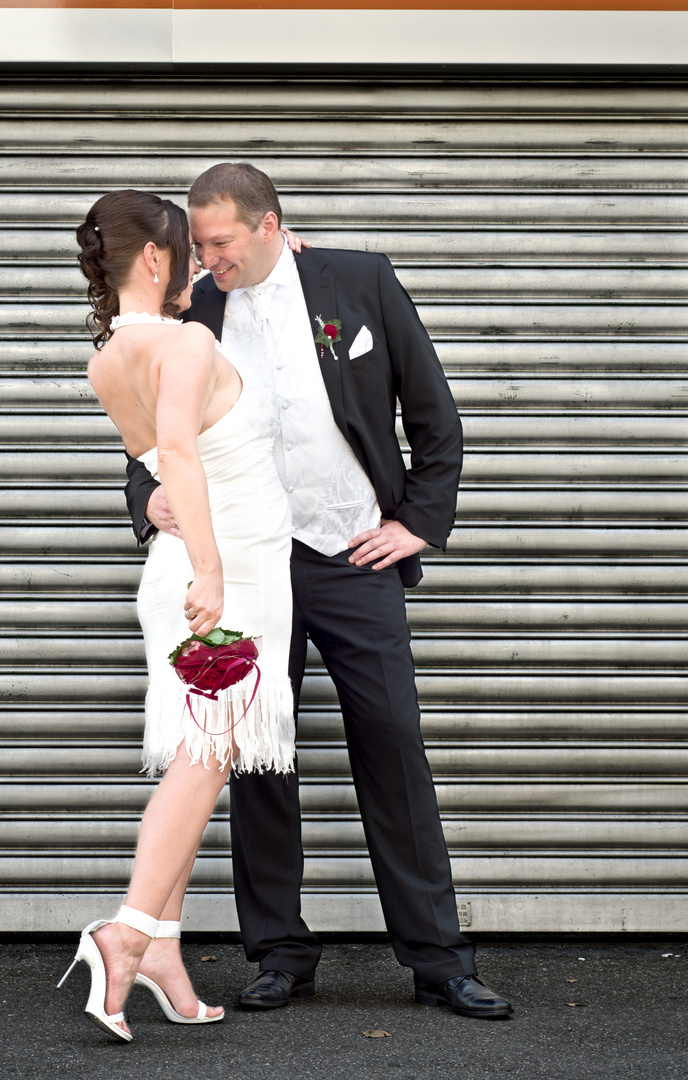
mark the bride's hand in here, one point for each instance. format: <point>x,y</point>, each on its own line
<point>296,242</point>
<point>205,602</point>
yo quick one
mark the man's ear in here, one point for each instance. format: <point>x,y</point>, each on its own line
<point>270,226</point>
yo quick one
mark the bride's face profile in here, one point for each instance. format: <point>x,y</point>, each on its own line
<point>183,301</point>
<point>164,270</point>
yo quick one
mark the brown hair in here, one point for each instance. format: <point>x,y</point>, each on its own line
<point>115,231</point>
<point>252,192</point>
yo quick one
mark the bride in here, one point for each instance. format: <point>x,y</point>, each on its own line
<point>204,428</point>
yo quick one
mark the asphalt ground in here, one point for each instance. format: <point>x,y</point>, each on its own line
<point>582,1009</point>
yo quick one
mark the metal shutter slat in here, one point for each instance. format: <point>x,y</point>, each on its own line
<point>542,232</point>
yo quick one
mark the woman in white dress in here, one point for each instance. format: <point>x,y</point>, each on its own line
<point>206,430</point>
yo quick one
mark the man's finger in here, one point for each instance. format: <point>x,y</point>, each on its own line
<point>361,559</point>
<point>366,551</point>
<point>166,523</point>
<point>393,557</point>
<point>369,534</point>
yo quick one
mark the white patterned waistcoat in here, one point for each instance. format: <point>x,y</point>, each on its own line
<point>331,497</point>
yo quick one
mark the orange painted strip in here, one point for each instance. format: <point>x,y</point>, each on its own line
<point>93,4</point>
<point>365,5</point>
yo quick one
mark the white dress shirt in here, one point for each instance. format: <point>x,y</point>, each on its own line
<point>331,497</point>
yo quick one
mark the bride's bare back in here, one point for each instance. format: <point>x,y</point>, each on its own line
<point>162,384</point>
<point>154,379</point>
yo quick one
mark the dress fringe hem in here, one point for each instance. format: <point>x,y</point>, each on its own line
<point>262,739</point>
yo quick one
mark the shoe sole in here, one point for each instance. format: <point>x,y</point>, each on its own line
<point>307,990</point>
<point>123,1036</point>
<point>424,998</point>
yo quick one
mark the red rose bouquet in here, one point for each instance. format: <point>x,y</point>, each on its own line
<point>214,662</point>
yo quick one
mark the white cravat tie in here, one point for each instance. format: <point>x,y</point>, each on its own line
<point>261,302</point>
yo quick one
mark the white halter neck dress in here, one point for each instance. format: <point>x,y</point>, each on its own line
<point>252,526</point>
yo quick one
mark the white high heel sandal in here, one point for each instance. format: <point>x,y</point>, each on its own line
<point>169,929</point>
<point>88,950</point>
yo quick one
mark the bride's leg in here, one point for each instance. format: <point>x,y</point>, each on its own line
<point>163,962</point>
<point>171,831</point>
<point>172,911</point>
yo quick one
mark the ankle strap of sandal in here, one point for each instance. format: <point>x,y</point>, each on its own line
<point>137,920</point>
<point>167,928</point>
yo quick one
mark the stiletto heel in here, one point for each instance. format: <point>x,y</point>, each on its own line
<point>89,952</point>
<point>169,929</point>
<point>68,972</point>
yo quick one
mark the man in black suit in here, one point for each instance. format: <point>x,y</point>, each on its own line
<point>366,348</point>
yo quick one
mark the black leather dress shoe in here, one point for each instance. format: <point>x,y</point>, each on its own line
<point>467,995</point>
<point>272,989</point>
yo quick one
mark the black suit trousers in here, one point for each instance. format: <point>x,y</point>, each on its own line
<point>357,620</point>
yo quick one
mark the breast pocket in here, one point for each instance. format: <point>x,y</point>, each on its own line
<point>365,358</point>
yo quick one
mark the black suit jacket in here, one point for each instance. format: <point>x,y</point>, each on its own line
<point>360,289</point>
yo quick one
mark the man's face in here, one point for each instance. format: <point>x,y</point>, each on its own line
<point>236,257</point>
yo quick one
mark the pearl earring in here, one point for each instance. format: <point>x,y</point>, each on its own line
<point>156,279</point>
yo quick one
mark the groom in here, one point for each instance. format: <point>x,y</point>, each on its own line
<point>341,341</point>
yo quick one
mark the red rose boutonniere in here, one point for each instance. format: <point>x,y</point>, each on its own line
<point>214,662</point>
<point>329,334</point>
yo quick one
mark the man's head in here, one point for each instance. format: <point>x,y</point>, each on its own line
<point>235,219</point>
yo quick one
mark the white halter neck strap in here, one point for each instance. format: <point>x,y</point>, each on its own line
<point>132,318</point>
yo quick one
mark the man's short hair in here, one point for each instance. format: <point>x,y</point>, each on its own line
<point>251,191</point>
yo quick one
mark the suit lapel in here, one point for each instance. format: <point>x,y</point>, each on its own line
<point>319,294</point>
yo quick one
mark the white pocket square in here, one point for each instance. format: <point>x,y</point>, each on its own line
<point>362,343</point>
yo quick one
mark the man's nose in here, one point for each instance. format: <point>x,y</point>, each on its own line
<point>209,259</point>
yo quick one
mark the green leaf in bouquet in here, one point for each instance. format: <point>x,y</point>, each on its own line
<point>216,637</point>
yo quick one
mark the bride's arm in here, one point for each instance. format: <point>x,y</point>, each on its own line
<point>187,379</point>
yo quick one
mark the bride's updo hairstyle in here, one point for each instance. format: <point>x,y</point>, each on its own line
<point>115,232</point>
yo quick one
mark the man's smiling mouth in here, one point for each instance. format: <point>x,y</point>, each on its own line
<point>219,273</point>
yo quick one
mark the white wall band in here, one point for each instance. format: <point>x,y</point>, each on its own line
<point>110,35</point>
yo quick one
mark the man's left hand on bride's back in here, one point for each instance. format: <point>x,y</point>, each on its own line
<point>159,514</point>
<point>391,542</point>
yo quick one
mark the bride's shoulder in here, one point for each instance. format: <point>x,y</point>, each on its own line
<point>187,347</point>
<point>194,331</point>
<point>188,335</point>
<point>191,326</point>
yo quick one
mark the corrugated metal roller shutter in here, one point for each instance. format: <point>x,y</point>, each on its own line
<point>540,227</point>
